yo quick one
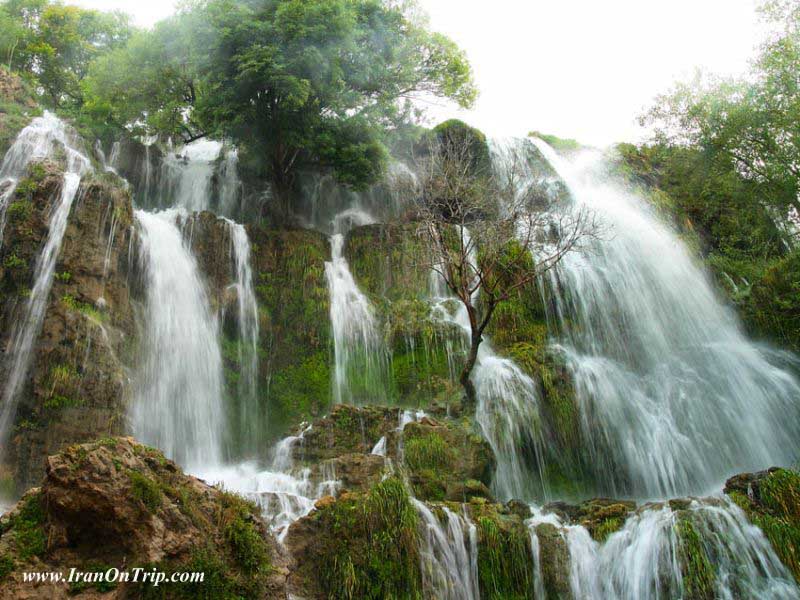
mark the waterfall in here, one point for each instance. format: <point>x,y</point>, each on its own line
<point>179,401</point>
<point>283,493</point>
<point>508,408</point>
<point>44,136</point>
<point>448,554</point>
<point>673,396</point>
<point>648,559</point>
<point>187,176</point>
<point>230,187</point>
<point>361,361</point>
<point>250,422</point>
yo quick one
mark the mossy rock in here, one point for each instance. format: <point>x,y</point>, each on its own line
<point>361,546</point>
<point>771,500</point>
<point>505,558</point>
<point>116,503</point>
<point>447,460</point>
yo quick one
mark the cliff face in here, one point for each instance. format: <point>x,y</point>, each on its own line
<point>78,386</point>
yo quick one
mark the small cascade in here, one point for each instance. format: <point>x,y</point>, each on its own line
<point>361,359</point>
<point>230,186</point>
<point>674,398</point>
<point>187,176</point>
<point>41,139</point>
<point>283,493</point>
<point>648,559</point>
<point>27,329</point>
<point>507,408</point>
<point>179,405</point>
<point>250,423</point>
<point>448,554</point>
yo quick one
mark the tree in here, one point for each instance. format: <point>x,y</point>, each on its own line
<point>55,44</point>
<point>491,233</point>
<point>755,121</point>
<point>297,84</point>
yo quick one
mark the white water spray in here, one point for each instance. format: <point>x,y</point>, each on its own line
<point>44,136</point>
<point>361,360</point>
<point>673,396</point>
<point>179,400</point>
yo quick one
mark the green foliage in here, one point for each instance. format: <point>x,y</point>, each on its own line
<point>247,546</point>
<point>54,44</point>
<point>773,304</point>
<point>697,572</point>
<point>369,548</point>
<point>454,134</point>
<point>557,143</point>
<point>295,84</point>
<point>505,562</point>
<point>6,566</point>
<point>13,261</point>
<point>28,527</point>
<point>776,512</point>
<point>146,491</point>
<point>82,307</point>
<point>428,452</point>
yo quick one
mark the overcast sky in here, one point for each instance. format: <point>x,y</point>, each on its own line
<point>574,68</point>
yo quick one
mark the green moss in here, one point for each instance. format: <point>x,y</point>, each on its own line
<point>82,307</point>
<point>697,572</point>
<point>368,549</point>
<point>557,143</point>
<point>101,585</point>
<point>776,512</point>
<point>428,452</point>
<point>606,528</point>
<point>504,559</point>
<point>58,402</point>
<point>247,546</point>
<point>146,491</point>
<point>19,210</point>
<point>28,527</point>
<point>299,392</point>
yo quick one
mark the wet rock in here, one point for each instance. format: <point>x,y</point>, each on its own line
<point>78,386</point>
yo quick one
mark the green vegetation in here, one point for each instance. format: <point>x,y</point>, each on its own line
<point>776,511</point>
<point>557,143</point>
<point>696,569</point>
<point>82,307</point>
<point>13,261</point>
<point>246,543</point>
<point>295,85</point>
<point>28,527</point>
<point>367,546</point>
<point>6,566</point>
<point>505,563</point>
<point>146,491</point>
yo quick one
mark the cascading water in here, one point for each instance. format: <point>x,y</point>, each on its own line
<point>187,176</point>
<point>507,408</point>
<point>179,404</point>
<point>40,139</point>
<point>283,493</point>
<point>250,423</point>
<point>647,559</point>
<point>361,360</point>
<point>230,187</point>
<point>673,396</point>
<point>448,555</point>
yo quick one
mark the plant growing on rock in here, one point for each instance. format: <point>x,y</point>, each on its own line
<point>491,231</point>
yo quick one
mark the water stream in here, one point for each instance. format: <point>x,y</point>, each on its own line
<point>673,396</point>
<point>41,139</point>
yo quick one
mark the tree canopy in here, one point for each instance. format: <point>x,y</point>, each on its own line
<point>296,84</point>
<point>753,120</point>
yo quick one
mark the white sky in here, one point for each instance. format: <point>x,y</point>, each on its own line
<point>575,68</point>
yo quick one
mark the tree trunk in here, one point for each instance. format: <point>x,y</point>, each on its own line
<point>466,372</point>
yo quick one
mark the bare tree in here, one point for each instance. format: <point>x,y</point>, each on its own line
<point>491,232</point>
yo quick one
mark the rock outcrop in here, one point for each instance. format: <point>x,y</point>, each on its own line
<point>78,386</point>
<point>116,504</point>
